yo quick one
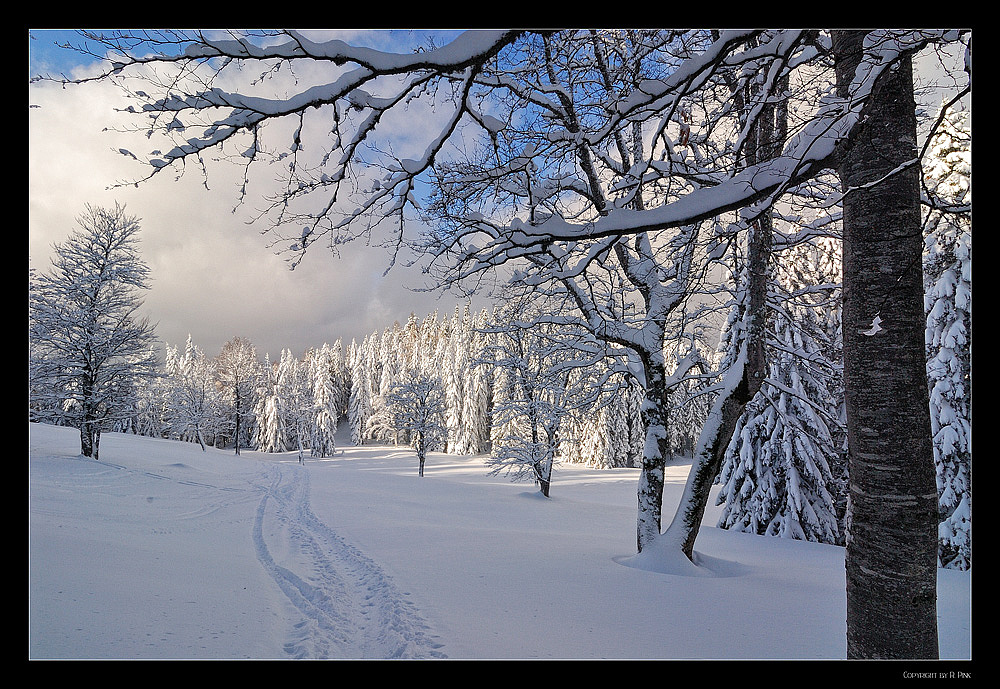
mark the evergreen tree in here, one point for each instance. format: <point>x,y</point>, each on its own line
<point>295,401</point>
<point>359,404</point>
<point>269,431</point>
<point>781,471</point>
<point>191,393</point>
<point>152,396</point>
<point>948,303</point>
<point>340,375</point>
<point>380,426</point>
<point>325,406</point>
<point>454,381</point>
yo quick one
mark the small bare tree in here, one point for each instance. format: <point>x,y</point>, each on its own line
<point>417,408</point>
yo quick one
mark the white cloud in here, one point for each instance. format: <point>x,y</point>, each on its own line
<point>213,276</point>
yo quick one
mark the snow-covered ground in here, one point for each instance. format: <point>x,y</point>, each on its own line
<point>163,551</point>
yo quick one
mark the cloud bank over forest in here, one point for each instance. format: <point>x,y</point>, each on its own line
<point>214,276</point>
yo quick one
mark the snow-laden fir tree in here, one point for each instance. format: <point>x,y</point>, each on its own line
<point>295,401</point>
<point>151,408</point>
<point>478,400</point>
<point>340,374</point>
<point>363,371</point>
<point>357,400</point>
<point>455,381</point>
<point>380,426</point>
<point>781,474</point>
<point>325,405</point>
<point>604,432</point>
<point>269,431</point>
<point>948,303</point>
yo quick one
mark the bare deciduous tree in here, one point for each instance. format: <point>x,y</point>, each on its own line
<point>88,344</point>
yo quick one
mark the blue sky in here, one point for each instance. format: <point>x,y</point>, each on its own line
<point>45,56</point>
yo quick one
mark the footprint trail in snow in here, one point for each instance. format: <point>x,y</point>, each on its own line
<point>349,607</point>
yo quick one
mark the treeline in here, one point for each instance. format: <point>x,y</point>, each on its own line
<point>237,399</point>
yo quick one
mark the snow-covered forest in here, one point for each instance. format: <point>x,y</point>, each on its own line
<point>704,248</point>
<point>528,395</point>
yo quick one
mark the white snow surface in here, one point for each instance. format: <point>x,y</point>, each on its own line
<point>162,551</point>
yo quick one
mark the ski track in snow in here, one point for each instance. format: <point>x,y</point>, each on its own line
<point>350,609</point>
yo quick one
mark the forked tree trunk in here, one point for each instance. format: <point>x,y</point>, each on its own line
<point>745,377</point>
<point>891,558</point>
<point>742,382</point>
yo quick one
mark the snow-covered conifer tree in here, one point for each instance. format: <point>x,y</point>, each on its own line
<point>151,414</point>
<point>948,303</point>
<point>269,431</point>
<point>781,473</point>
<point>365,374</point>
<point>191,394</point>
<point>454,381</point>
<point>324,402</point>
<point>340,374</point>
<point>295,401</point>
<point>478,400</point>
<point>388,371</point>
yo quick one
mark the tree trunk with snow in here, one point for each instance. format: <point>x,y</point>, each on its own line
<point>891,555</point>
<point>749,367</point>
<point>741,382</point>
<point>655,413</point>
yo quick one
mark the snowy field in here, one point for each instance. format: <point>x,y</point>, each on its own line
<point>162,551</point>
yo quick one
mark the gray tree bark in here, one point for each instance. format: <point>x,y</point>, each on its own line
<point>891,559</point>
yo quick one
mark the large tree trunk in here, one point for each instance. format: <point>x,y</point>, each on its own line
<point>421,452</point>
<point>655,412</point>
<point>87,438</point>
<point>892,545</point>
<point>239,418</point>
